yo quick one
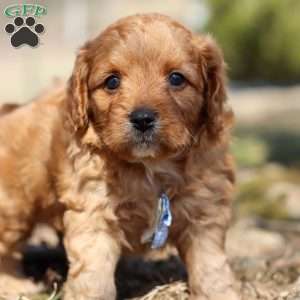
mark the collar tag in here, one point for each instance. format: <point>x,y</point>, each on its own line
<point>159,233</point>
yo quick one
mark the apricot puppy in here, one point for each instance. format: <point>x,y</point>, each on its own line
<point>131,155</point>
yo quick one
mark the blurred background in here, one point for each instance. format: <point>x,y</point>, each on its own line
<point>261,43</point>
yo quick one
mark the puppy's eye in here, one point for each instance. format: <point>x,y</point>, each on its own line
<point>176,79</point>
<point>112,82</point>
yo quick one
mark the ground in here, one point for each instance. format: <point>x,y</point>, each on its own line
<point>267,266</point>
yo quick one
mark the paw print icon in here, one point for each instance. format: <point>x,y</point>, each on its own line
<point>24,32</point>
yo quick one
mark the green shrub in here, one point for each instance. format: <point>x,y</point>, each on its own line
<point>249,151</point>
<point>257,145</point>
<point>252,199</point>
<point>260,38</point>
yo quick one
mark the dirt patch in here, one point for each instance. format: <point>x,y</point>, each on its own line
<point>267,270</point>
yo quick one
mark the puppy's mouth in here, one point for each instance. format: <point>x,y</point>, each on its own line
<point>144,139</point>
<point>144,144</point>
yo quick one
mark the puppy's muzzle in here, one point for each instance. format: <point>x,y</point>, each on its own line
<point>143,119</point>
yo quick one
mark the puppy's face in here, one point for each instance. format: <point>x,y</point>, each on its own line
<point>144,86</point>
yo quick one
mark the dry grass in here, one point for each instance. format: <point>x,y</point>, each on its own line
<point>174,291</point>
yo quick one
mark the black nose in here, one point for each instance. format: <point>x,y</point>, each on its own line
<point>143,119</point>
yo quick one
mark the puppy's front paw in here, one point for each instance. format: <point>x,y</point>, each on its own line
<point>12,287</point>
<point>86,295</point>
<point>89,288</point>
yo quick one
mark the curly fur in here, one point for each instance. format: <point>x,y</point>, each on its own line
<point>71,159</point>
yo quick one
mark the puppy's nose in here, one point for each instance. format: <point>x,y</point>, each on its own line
<point>143,119</point>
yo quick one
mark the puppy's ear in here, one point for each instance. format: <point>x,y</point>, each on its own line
<point>77,102</point>
<point>212,67</point>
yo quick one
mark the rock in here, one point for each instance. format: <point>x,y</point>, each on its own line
<point>245,240</point>
<point>289,194</point>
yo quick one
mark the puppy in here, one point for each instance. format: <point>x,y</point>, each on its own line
<point>131,155</point>
<point>7,108</point>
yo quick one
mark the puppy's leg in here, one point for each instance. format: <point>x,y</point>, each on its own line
<point>93,254</point>
<point>12,281</point>
<point>210,277</point>
<point>15,226</point>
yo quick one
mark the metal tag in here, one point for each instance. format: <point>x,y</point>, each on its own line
<point>158,234</point>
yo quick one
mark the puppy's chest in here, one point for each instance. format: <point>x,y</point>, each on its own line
<point>138,202</point>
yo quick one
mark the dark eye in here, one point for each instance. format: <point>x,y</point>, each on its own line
<point>112,82</point>
<point>176,79</point>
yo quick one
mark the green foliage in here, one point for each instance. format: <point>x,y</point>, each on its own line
<point>249,151</point>
<point>252,199</point>
<point>256,146</point>
<point>260,38</point>
<point>254,194</point>
<point>284,147</point>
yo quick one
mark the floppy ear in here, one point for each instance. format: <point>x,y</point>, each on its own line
<point>213,72</point>
<point>77,102</point>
